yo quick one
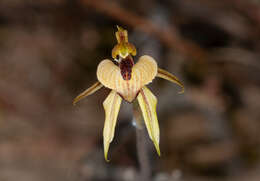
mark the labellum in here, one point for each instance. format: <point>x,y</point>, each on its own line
<point>126,66</point>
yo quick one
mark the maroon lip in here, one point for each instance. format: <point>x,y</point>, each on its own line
<point>126,66</point>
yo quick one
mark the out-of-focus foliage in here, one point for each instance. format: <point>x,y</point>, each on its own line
<point>49,51</point>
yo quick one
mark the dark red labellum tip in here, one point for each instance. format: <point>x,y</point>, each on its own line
<point>126,66</point>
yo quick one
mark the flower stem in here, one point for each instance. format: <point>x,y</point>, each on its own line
<point>141,144</point>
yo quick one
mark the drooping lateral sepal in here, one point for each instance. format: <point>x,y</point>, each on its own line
<point>147,102</point>
<point>111,106</point>
<point>168,76</point>
<point>88,92</point>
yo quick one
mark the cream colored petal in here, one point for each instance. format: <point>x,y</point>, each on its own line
<point>147,102</point>
<point>88,92</point>
<point>106,73</point>
<point>168,76</point>
<point>143,72</point>
<point>111,106</point>
<point>146,67</point>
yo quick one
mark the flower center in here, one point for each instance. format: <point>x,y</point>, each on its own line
<point>126,66</point>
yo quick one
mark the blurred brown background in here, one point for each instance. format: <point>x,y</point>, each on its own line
<point>49,51</point>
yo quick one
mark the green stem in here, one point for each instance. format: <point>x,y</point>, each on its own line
<point>141,144</point>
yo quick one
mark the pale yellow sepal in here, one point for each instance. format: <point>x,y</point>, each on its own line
<point>143,72</point>
<point>121,35</point>
<point>123,48</point>
<point>88,92</point>
<point>168,76</point>
<point>147,102</point>
<point>111,106</point>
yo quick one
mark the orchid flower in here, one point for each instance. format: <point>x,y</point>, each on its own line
<point>127,81</point>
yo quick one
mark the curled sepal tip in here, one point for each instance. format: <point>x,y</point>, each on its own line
<point>168,76</point>
<point>147,102</point>
<point>87,92</point>
<point>111,106</point>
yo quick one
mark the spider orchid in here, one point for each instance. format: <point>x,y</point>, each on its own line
<point>127,81</point>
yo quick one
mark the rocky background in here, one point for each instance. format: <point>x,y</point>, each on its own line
<point>49,51</point>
